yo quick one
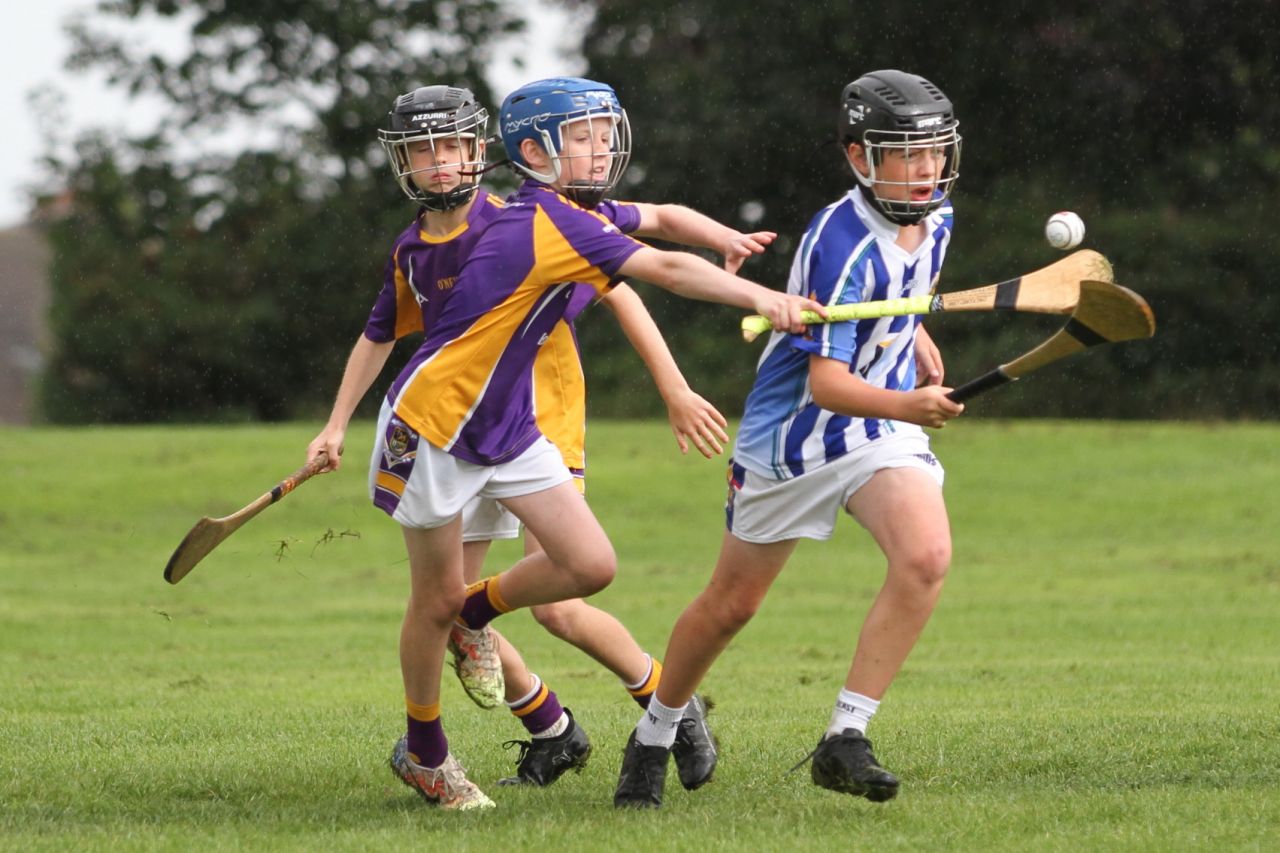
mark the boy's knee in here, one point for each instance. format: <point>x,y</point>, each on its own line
<point>599,576</point>
<point>440,607</point>
<point>555,618</point>
<point>927,565</point>
<point>595,571</point>
<point>735,610</point>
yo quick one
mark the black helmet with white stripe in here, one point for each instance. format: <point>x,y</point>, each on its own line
<point>893,110</point>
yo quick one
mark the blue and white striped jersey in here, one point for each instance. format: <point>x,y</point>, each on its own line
<point>848,254</point>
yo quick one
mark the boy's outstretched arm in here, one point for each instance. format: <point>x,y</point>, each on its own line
<point>695,278</point>
<point>363,366</point>
<point>692,417</point>
<point>683,225</point>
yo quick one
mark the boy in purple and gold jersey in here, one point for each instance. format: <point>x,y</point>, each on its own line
<point>435,145</point>
<point>459,421</point>
<point>558,742</point>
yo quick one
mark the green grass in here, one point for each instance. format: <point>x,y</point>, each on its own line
<point>1101,673</point>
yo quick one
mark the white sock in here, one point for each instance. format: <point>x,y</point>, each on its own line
<point>852,711</point>
<point>658,725</point>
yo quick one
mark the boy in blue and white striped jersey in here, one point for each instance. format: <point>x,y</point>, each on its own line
<point>835,420</point>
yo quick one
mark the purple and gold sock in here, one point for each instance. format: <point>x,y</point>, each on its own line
<point>539,712</point>
<point>427,744</point>
<point>643,689</point>
<point>483,604</point>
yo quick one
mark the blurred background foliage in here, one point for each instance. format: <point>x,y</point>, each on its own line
<point>232,287</point>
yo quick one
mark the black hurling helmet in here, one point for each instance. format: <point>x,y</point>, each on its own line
<point>431,114</point>
<point>892,110</point>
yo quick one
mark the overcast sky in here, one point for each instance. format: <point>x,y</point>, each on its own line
<point>34,48</point>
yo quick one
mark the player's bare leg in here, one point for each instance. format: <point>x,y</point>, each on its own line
<point>557,742</point>
<point>903,510</point>
<point>421,759</point>
<point>741,579</point>
<point>577,559</point>
<point>597,633</point>
<point>436,593</point>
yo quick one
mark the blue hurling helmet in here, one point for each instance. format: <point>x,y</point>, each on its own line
<point>540,110</point>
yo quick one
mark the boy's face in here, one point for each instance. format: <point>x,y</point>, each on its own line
<point>586,150</point>
<point>904,173</point>
<point>436,164</point>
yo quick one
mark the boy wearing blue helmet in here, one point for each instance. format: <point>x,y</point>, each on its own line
<point>460,421</point>
<point>435,145</point>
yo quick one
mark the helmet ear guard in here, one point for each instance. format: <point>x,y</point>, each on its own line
<point>540,111</point>
<point>894,111</point>
<point>432,114</point>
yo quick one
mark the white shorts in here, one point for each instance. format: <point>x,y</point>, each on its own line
<point>420,485</point>
<point>762,510</point>
<point>484,519</point>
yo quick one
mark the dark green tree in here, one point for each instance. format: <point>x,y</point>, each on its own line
<point>1157,123</point>
<point>229,287</point>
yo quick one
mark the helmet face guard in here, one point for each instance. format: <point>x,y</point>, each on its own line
<point>443,118</point>
<point>545,111</point>
<point>898,205</point>
<point>892,113</point>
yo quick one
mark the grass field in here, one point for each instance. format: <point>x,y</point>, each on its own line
<point>1101,673</point>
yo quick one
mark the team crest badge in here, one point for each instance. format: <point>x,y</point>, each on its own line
<point>401,443</point>
<point>398,443</point>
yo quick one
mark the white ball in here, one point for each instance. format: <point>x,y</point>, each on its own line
<point>1064,230</point>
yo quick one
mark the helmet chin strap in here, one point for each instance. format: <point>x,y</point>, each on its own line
<point>878,205</point>
<point>446,201</point>
<point>586,196</point>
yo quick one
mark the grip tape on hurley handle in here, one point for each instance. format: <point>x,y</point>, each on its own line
<point>983,383</point>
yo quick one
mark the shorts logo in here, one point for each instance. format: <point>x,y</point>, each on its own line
<point>927,458</point>
<point>735,475</point>
<point>398,443</point>
<point>401,443</point>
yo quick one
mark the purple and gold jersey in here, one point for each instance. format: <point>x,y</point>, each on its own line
<point>422,270</point>
<point>470,389</point>
<point>560,387</point>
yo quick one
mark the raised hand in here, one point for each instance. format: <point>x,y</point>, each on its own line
<point>742,246</point>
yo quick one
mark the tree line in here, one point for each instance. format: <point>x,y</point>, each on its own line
<point>232,287</point>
